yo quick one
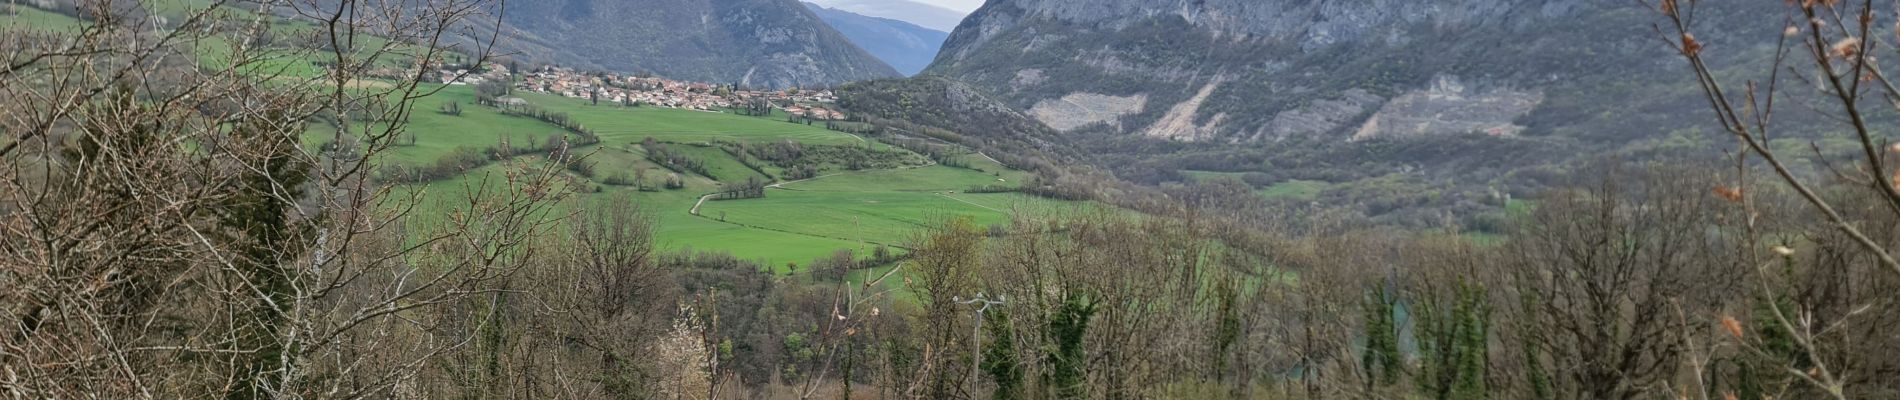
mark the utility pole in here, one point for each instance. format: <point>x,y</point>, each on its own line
<point>976,330</point>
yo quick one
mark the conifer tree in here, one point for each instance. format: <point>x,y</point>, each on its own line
<point>999,357</point>
<point>1382,361</point>
<point>1067,359</point>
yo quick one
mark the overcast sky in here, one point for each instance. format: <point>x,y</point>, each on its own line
<point>961,6</point>
<point>964,6</point>
<point>941,15</point>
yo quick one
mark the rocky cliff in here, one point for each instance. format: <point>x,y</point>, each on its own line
<point>1267,70</point>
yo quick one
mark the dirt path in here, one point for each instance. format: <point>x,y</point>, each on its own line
<point>947,196</point>
<point>702,201</point>
<point>781,185</point>
<point>987,157</point>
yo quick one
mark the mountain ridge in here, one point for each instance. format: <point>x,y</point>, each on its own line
<point>926,15</point>
<point>763,43</point>
<point>907,47</point>
<point>1263,71</point>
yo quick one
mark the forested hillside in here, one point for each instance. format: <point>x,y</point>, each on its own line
<point>1443,104</point>
<point>760,43</point>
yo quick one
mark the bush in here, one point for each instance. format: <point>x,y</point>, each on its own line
<point>991,189</point>
<point>619,179</point>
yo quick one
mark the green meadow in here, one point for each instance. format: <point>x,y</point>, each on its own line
<point>1295,189</point>
<point>796,223</point>
<point>677,230</point>
<point>719,165</point>
<point>436,133</point>
<point>871,216</point>
<point>22,18</point>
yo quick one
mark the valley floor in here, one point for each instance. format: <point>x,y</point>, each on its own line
<point>796,221</point>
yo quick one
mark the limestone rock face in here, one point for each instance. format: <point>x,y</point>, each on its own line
<point>1081,109</point>
<point>1450,107</point>
<point>1271,70</point>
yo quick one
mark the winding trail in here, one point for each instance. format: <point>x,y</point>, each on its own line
<point>702,201</point>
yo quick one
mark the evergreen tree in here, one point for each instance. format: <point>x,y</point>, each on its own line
<point>1066,358</point>
<point>1453,345</point>
<point>1227,329</point>
<point>999,358</point>
<point>1534,359</point>
<point>257,215</point>
<point>1382,359</point>
<point>1778,347</point>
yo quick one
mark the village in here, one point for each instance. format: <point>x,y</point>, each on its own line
<point>646,91</point>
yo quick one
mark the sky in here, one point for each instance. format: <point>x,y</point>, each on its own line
<point>941,15</point>
<point>964,6</point>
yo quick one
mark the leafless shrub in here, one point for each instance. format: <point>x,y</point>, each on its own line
<point>165,232</point>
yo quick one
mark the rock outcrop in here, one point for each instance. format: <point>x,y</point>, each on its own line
<point>1270,70</point>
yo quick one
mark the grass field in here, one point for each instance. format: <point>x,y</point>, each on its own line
<point>719,165</point>
<point>1295,189</point>
<point>437,134</point>
<point>18,18</point>
<point>882,206</point>
<point>984,164</point>
<point>1211,175</point>
<point>803,221</point>
<point>934,178</point>
<point>677,230</point>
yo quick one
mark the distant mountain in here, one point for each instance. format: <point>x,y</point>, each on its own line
<point>905,46</point>
<point>1273,70</point>
<point>766,43</point>
<point>926,15</point>
<point>1462,99</point>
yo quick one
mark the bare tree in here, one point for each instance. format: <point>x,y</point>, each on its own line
<point>1597,271</point>
<point>165,231</point>
<point>1832,47</point>
<point>943,267</point>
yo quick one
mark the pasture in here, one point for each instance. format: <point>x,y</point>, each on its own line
<point>802,221</point>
